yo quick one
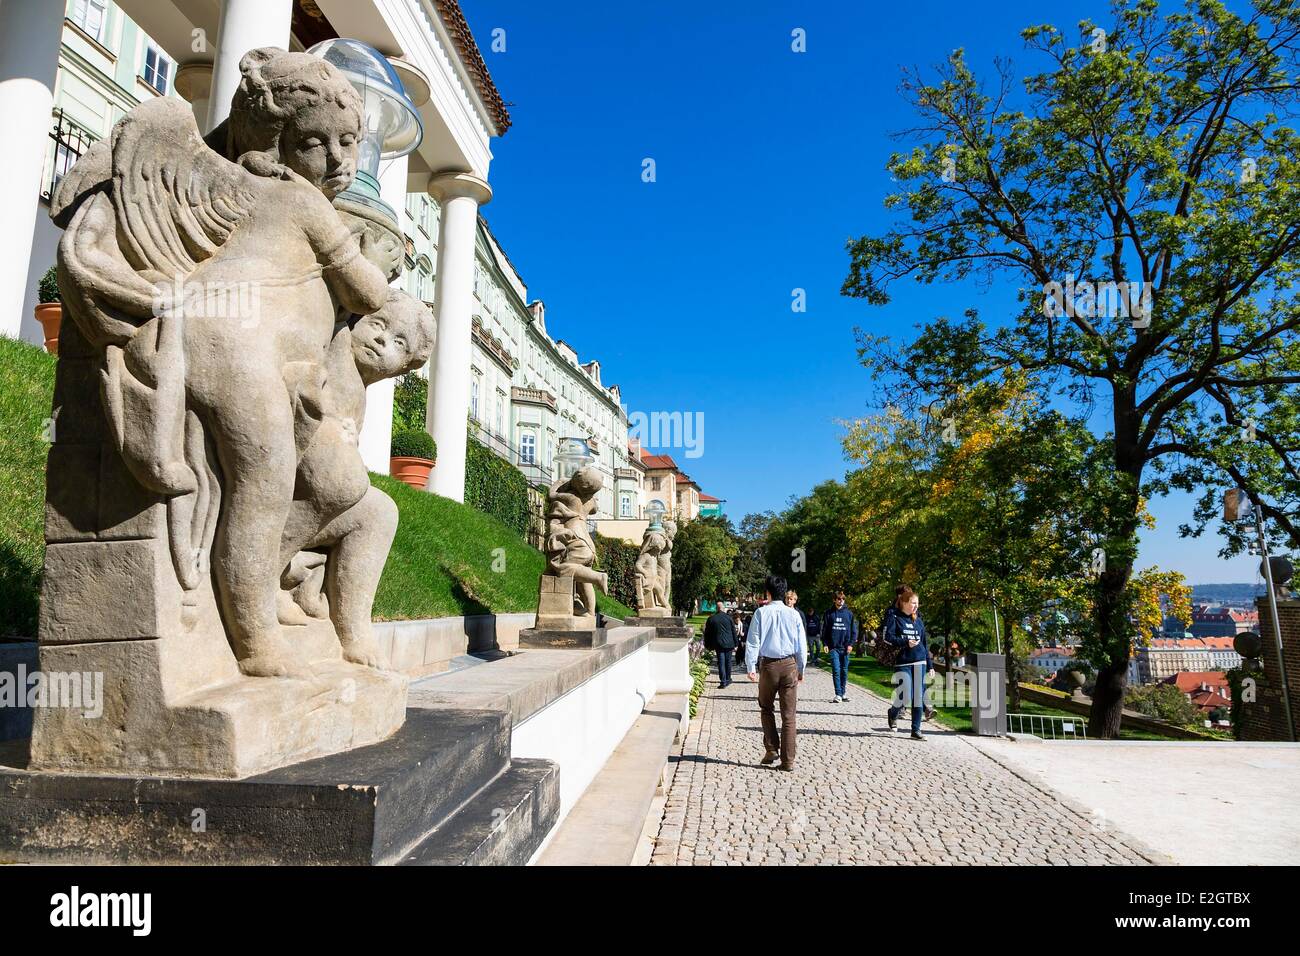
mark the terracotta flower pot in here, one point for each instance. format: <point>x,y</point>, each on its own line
<point>413,471</point>
<point>50,315</point>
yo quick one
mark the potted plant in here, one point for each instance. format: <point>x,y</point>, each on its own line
<point>413,454</point>
<point>49,311</point>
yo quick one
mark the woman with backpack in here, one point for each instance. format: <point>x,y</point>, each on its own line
<point>905,631</point>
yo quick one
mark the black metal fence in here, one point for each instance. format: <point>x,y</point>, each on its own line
<point>71,140</point>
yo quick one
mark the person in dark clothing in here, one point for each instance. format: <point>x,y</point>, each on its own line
<point>720,637</point>
<point>839,632</point>
<point>738,625</point>
<point>814,627</point>
<point>905,630</point>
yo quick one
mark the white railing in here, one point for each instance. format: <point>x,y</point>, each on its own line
<point>1050,727</point>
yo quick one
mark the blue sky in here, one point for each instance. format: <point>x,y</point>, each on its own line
<point>766,162</point>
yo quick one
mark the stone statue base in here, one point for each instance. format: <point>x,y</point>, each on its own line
<point>666,626</point>
<point>155,719</point>
<point>556,610</point>
<point>584,639</point>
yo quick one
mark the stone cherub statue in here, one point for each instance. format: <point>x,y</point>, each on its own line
<point>221,289</point>
<point>652,601</point>
<point>569,549</point>
<point>204,492</point>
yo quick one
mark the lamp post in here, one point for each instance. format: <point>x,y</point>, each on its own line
<point>573,454</point>
<point>1236,506</point>
<point>655,511</point>
<point>393,127</point>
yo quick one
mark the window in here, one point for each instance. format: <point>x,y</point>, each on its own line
<point>90,16</point>
<point>527,449</point>
<point>156,69</point>
<point>473,399</point>
<point>625,505</point>
<point>654,483</point>
<point>501,404</point>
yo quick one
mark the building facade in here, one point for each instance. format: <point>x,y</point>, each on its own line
<point>1162,658</point>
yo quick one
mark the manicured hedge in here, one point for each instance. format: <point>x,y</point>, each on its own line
<point>617,558</point>
<point>495,487</point>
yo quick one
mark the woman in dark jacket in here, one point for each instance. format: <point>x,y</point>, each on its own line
<point>905,630</point>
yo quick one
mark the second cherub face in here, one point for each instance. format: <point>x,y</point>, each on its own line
<point>393,340</point>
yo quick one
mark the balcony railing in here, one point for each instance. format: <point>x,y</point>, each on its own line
<point>71,140</point>
<point>533,470</point>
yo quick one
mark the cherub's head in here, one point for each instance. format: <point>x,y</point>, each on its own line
<point>299,110</point>
<point>586,482</point>
<point>670,528</point>
<point>395,340</point>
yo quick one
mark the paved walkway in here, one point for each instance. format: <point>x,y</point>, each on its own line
<point>860,794</point>
<point>1217,803</point>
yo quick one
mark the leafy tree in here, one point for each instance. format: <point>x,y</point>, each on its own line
<point>1165,702</point>
<point>751,558</point>
<point>704,557</point>
<point>1156,153</point>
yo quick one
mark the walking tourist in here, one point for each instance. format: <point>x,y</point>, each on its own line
<point>776,652</point>
<point>738,623</point>
<point>905,630</point>
<point>720,637</point>
<point>839,630</point>
<point>813,625</point>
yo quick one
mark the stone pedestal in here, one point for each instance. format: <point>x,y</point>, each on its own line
<point>669,626</point>
<point>443,791</point>
<point>562,639</point>
<point>556,608</point>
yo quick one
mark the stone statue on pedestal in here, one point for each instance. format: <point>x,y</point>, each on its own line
<point>213,540</point>
<point>567,599</point>
<point>651,599</point>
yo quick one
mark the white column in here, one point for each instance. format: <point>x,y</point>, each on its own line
<point>30,32</point>
<point>460,195</point>
<point>377,430</point>
<point>243,25</point>
<point>194,82</point>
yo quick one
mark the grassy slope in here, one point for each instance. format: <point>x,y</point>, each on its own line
<point>441,563</point>
<point>26,389</point>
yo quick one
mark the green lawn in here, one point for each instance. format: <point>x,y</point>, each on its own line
<point>26,390</point>
<point>867,672</point>
<point>444,560</point>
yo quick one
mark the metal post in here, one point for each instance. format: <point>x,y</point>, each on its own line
<point>1277,621</point>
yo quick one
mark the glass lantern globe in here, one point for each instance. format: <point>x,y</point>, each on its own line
<point>573,454</point>
<point>655,511</point>
<point>393,125</point>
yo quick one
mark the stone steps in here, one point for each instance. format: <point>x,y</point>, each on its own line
<point>404,797</point>
<point>504,824</point>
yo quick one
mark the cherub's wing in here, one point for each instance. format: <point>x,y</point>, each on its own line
<point>176,199</point>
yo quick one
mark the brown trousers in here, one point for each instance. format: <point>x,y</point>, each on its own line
<point>778,679</point>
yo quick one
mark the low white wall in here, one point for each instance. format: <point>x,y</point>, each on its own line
<point>670,666</point>
<point>419,648</point>
<point>581,729</point>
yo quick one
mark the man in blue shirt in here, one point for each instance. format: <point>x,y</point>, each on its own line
<point>776,652</point>
<point>839,632</point>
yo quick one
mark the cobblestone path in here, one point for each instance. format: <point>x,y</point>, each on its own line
<point>859,794</point>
